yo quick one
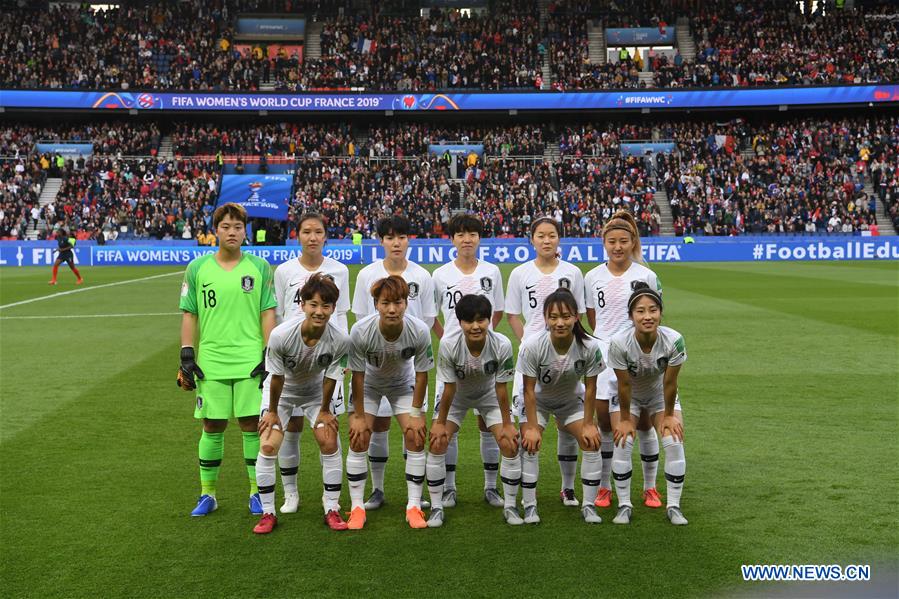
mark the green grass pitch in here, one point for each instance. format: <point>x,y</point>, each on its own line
<point>790,402</point>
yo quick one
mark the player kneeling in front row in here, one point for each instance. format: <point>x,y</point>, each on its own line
<point>647,360</point>
<point>305,359</point>
<point>390,356</point>
<point>475,366</point>
<point>553,365</point>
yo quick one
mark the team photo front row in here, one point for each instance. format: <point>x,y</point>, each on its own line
<point>272,350</point>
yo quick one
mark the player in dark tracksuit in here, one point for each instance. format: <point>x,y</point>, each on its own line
<point>66,245</point>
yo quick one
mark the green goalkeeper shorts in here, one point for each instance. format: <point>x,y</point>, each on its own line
<point>229,398</point>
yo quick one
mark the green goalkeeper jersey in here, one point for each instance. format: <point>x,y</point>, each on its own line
<point>228,306</point>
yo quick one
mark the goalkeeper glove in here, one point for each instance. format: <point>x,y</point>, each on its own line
<point>260,370</point>
<point>188,369</point>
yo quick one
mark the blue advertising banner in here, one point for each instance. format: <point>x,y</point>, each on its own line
<point>36,254</point>
<point>639,149</point>
<point>302,102</point>
<point>278,28</point>
<point>65,149</point>
<point>639,36</point>
<point>457,149</point>
<point>263,196</point>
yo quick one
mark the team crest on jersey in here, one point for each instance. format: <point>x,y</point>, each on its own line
<point>565,283</point>
<point>634,285</point>
<point>247,283</point>
<point>490,367</point>
<point>413,290</point>
<point>291,362</point>
<point>580,367</point>
<point>460,373</point>
<point>487,284</point>
<point>324,360</point>
<point>407,352</point>
<point>662,363</point>
<point>374,359</point>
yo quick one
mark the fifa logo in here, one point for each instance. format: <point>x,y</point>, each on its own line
<point>255,186</point>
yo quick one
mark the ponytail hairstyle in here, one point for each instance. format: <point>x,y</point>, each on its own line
<point>563,298</point>
<point>642,289</point>
<point>623,220</point>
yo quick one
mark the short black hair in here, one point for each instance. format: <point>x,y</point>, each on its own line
<point>472,306</point>
<point>323,285</point>
<point>465,223</point>
<point>393,225</point>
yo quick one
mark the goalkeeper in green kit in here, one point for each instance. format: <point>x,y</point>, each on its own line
<point>228,303</point>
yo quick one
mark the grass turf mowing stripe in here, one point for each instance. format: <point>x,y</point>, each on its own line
<point>85,288</point>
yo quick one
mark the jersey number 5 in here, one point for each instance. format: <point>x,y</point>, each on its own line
<point>532,298</point>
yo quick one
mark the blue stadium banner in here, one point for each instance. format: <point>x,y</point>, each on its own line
<point>457,149</point>
<point>264,196</point>
<point>639,149</point>
<point>639,36</point>
<point>286,28</point>
<point>366,102</point>
<point>65,149</point>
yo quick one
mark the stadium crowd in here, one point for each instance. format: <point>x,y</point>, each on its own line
<point>112,137</point>
<point>21,182</point>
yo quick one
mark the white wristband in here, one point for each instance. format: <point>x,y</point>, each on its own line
<point>415,412</point>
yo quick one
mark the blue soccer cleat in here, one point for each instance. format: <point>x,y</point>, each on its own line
<point>255,504</point>
<point>206,505</point>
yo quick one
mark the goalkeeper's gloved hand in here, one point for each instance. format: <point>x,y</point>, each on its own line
<point>260,370</point>
<point>188,369</point>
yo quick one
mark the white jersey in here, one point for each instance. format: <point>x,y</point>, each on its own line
<point>421,302</point>
<point>559,378</point>
<point>451,284</point>
<point>608,295</point>
<point>647,371</point>
<point>304,367</point>
<point>389,364</point>
<point>529,288</point>
<point>290,278</point>
<point>475,377</point>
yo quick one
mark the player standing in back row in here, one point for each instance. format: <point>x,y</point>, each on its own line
<point>452,281</point>
<point>394,235</point>
<point>289,280</point>
<point>529,286</point>
<point>608,288</point>
<point>228,303</point>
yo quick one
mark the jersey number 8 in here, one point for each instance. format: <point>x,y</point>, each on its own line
<point>601,299</point>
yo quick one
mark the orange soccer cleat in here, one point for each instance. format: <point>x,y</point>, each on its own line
<point>603,498</point>
<point>357,519</point>
<point>651,498</point>
<point>416,518</point>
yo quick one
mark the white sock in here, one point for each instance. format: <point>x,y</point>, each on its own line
<point>332,476</point>
<point>591,467</point>
<point>436,478</point>
<point>510,472</point>
<point>530,469</point>
<point>265,480</point>
<point>490,458</point>
<point>606,448</point>
<point>649,455</point>
<point>289,461</point>
<point>567,453</point>
<point>378,451</point>
<point>356,473</point>
<point>675,469</point>
<point>622,469</point>
<point>415,476</point>
<point>452,458</point>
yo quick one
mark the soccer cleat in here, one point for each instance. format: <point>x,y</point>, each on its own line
<point>375,500</point>
<point>436,518</point>
<point>357,519</point>
<point>79,281</point>
<point>266,524</point>
<point>425,504</point>
<point>255,504</point>
<point>651,498</point>
<point>568,498</point>
<point>603,498</point>
<point>492,497</point>
<point>52,282</point>
<point>206,505</point>
<point>512,516</point>
<point>449,498</point>
<point>334,521</point>
<point>624,515</point>
<point>530,515</point>
<point>590,515</point>
<point>416,518</point>
<point>291,503</point>
<point>676,516</point>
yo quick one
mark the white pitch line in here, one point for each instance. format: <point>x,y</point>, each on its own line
<point>62,293</point>
<point>89,316</point>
